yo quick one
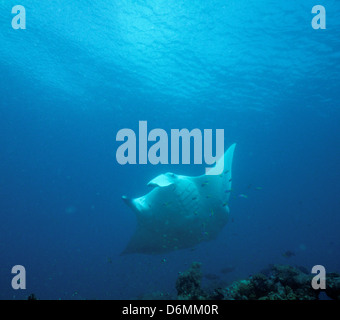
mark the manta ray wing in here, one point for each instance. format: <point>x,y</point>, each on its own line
<point>218,182</point>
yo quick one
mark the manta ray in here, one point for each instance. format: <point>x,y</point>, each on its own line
<point>180,211</point>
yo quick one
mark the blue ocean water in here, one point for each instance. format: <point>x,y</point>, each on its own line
<point>83,70</point>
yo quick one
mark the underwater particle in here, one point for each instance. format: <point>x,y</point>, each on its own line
<point>302,247</point>
<point>70,209</point>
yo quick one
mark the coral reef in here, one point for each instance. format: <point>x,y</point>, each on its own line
<point>188,284</point>
<point>279,282</point>
<point>333,286</point>
<point>282,282</point>
<point>32,297</point>
<point>156,295</point>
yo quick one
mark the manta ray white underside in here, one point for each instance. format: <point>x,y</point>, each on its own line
<point>180,211</point>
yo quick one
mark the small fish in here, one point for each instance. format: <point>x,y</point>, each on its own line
<point>208,196</point>
<point>228,269</point>
<point>211,213</point>
<point>225,172</point>
<point>288,254</point>
<point>196,213</point>
<point>227,191</point>
<point>194,198</point>
<point>109,260</point>
<point>224,204</point>
<point>230,180</point>
<point>243,196</point>
<point>164,260</point>
<point>258,188</point>
<point>204,183</point>
<point>211,276</point>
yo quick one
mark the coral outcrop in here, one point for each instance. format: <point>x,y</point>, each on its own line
<point>188,284</point>
<point>279,282</point>
<point>333,286</point>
